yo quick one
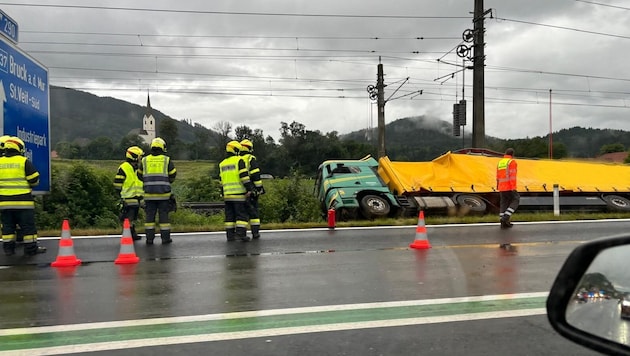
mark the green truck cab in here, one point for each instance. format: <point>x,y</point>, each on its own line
<point>354,189</point>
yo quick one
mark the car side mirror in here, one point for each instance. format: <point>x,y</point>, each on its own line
<point>589,301</point>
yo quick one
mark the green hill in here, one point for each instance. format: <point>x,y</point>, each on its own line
<point>77,116</point>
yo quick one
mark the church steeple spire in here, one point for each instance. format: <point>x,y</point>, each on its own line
<point>148,123</point>
<point>148,105</point>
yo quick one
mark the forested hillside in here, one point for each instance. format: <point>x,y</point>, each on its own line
<point>79,115</point>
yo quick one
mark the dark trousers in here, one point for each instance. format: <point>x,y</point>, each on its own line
<point>130,212</point>
<point>254,216</point>
<point>236,219</point>
<point>509,201</point>
<point>25,219</point>
<point>160,208</point>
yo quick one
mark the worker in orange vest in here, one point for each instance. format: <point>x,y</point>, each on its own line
<point>506,185</point>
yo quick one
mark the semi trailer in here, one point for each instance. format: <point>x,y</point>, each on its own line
<point>464,182</point>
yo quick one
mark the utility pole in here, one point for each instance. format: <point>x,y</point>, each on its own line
<point>377,93</point>
<point>479,126</point>
<point>380,87</point>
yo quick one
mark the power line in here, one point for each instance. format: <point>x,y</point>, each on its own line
<point>362,97</point>
<point>563,28</point>
<point>606,5</point>
<point>135,35</point>
<point>232,48</point>
<point>206,12</point>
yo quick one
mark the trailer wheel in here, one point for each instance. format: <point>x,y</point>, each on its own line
<point>374,206</point>
<point>617,202</point>
<point>472,203</point>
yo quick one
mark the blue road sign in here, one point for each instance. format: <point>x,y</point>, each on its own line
<point>8,27</point>
<point>24,95</point>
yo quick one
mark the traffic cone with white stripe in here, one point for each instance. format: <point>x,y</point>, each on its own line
<point>127,253</point>
<point>66,256</point>
<point>421,241</point>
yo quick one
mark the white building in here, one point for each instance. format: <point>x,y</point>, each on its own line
<point>148,125</point>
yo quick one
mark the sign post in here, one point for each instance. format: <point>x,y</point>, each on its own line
<point>24,96</point>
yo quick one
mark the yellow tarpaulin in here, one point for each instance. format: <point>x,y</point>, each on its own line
<point>454,172</point>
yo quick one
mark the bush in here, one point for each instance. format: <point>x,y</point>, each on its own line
<point>289,200</point>
<point>198,189</point>
<point>83,195</point>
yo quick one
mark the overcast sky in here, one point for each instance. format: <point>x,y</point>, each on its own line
<point>260,63</point>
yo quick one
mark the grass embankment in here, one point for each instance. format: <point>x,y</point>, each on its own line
<point>185,169</point>
<point>428,218</point>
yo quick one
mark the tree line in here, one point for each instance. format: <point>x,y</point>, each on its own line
<point>300,150</point>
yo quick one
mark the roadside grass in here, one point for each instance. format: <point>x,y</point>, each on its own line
<point>193,222</point>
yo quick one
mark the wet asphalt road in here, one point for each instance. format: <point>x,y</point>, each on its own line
<point>202,274</point>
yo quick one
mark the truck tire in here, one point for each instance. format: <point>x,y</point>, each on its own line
<point>617,202</point>
<point>373,206</point>
<point>472,203</point>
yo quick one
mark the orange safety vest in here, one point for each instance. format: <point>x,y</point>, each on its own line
<point>506,174</point>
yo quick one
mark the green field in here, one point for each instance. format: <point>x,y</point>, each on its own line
<point>185,169</point>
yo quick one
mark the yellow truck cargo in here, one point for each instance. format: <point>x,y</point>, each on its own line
<point>464,181</point>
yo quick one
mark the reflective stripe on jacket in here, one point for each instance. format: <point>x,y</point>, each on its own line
<point>506,174</point>
<point>234,178</point>
<point>155,177</point>
<point>15,184</point>
<point>132,187</point>
<point>253,169</point>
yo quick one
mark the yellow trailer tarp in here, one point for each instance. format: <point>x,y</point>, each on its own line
<point>454,172</point>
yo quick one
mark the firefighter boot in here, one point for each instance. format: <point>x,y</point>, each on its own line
<point>9,248</point>
<point>166,236</point>
<point>231,234</point>
<point>134,234</point>
<point>31,249</point>
<point>150,233</point>
<point>241,233</point>
<point>255,232</point>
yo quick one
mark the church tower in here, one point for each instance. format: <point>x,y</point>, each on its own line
<point>148,124</point>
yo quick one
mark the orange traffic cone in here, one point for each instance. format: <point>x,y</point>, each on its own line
<point>421,241</point>
<point>127,253</point>
<point>66,256</point>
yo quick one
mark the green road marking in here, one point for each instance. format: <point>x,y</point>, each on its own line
<point>249,322</point>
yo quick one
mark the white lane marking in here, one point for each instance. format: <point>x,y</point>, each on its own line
<point>175,340</point>
<point>222,233</point>
<point>262,313</point>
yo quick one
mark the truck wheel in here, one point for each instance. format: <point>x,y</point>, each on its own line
<point>617,202</point>
<point>472,203</point>
<point>374,206</point>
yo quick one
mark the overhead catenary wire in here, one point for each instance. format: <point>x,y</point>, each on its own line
<point>340,55</point>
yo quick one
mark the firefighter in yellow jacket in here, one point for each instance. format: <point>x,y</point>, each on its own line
<point>18,176</point>
<point>129,186</point>
<point>157,172</point>
<point>254,174</point>
<point>236,188</point>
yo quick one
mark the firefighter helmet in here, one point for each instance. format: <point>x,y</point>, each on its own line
<point>233,147</point>
<point>134,153</point>
<point>248,146</point>
<point>158,143</point>
<point>14,143</point>
<point>3,139</point>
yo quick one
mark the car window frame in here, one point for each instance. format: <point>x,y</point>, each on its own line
<point>563,289</point>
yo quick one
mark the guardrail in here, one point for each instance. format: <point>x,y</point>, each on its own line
<point>204,207</point>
